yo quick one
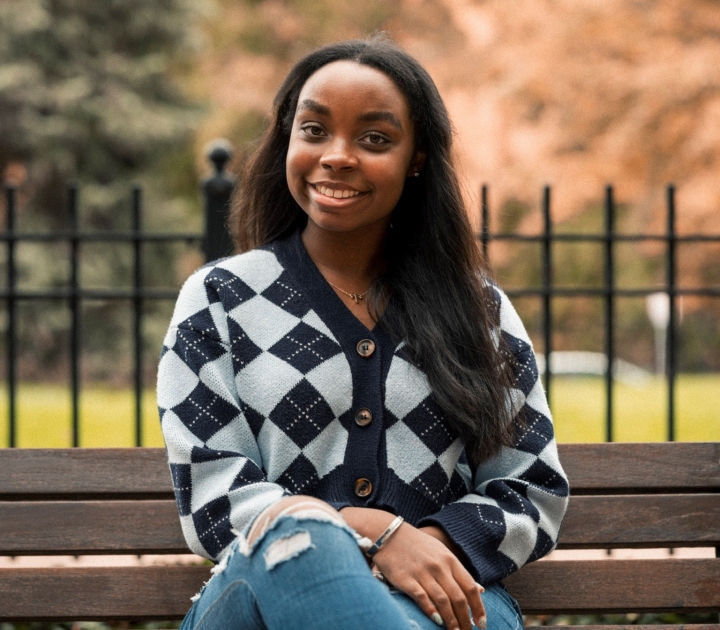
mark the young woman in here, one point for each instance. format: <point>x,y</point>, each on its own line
<point>351,398</point>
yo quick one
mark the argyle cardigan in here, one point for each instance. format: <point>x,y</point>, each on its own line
<point>258,386</point>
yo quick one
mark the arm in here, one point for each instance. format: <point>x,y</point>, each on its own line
<point>518,499</point>
<point>214,458</point>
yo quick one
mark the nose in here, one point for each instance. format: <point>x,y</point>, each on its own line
<point>339,156</point>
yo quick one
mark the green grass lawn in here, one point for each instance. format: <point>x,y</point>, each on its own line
<point>578,404</point>
<point>107,417</point>
<point>640,413</point>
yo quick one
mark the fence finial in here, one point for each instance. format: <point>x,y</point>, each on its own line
<point>219,152</point>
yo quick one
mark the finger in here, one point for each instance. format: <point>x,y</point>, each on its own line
<point>420,596</point>
<point>476,606</point>
<point>453,612</point>
<point>473,593</point>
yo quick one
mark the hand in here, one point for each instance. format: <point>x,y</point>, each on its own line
<point>419,563</point>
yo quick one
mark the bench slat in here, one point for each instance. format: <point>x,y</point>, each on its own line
<point>99,593</point>
<point>90,527</point>
<point>592,468</point>
<point>67,472</point>
<point>106,527</point>
<point>569,587</point>
<point>617,586</point>
<point>655,520</point>
<point>636,468</point>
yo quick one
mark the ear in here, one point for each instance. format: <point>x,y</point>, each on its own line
<point>417,163</point>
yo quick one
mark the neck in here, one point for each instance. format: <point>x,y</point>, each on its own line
<point>352,258</point>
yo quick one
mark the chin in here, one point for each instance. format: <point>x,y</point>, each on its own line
<point>342,224</point>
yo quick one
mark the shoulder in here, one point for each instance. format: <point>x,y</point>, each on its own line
<point>504,313</point>
<point>227,282</point>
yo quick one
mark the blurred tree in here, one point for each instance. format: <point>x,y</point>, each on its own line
<point>86,92</point>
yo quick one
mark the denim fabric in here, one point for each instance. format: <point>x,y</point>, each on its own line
<point>310,575</point>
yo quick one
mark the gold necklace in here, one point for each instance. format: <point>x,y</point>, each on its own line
<point>357,297</point>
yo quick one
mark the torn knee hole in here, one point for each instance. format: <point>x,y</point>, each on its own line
<point>313,510</point>
<point>286,548</point>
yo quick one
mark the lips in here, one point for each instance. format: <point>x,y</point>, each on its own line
<point>336,193</point>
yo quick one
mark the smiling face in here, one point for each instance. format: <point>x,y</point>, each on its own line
<point>351,148</point>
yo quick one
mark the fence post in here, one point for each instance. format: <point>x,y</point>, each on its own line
<point>137,308</point>
<point>217,190</point>
<point>671,348</point>
<point>547,281</point>
<point>10,197</point>
<point>75,312</point>
<point>609,311</point>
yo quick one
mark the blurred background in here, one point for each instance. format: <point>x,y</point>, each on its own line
<point>575,95</point>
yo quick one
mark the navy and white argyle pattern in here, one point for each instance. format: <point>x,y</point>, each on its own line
<point>249,410</point>
<point>256,395</point>
<point>422,451</point>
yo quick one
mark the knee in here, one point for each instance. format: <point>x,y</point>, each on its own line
<point>298,525</point>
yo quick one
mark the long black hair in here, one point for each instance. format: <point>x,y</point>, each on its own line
<point>436,294</point>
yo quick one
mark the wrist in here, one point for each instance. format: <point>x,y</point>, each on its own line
<point>439,534</point>
<point>368,522</point>
<point>370,549</point>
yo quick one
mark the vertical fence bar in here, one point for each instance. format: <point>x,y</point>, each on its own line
<point>672,322</point>
<point>547,278</point>
<point>217,190</point>
<point>609,310</point>
<point>10,198</point>
<point>137,308</point>
<point>484,221</point>
<point>74,314</point>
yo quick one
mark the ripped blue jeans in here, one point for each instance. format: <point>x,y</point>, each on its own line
<point>309,574</point>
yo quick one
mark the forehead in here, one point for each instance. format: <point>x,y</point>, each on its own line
<point>352,84</point>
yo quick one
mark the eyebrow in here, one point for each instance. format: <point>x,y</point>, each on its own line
<point>372,116</point>
<point>314,106</point>
<point>384,116</point>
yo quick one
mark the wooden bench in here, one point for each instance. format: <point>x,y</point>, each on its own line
<point>119,501</point>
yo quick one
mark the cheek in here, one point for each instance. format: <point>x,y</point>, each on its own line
<point>393,173</point>
<point>295,169</point>
<point>291,160</point>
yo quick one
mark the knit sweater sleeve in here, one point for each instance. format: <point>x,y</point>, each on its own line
<point>214,458</point>
<point>518,498</point>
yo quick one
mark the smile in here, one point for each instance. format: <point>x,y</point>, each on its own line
<point>335,193</point>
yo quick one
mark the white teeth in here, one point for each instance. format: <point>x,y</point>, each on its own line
<point>336,194</point>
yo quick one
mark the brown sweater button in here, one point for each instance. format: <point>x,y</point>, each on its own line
<point>363,417</point>
<point>363,487</point>
<point>365,348</point>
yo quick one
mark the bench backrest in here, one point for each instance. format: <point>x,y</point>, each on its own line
<point>120,501</point>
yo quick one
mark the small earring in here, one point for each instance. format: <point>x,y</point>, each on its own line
<point>416,174</point>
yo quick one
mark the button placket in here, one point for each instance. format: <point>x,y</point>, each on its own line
<point>367,369</point>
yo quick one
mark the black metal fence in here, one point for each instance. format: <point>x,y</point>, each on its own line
<point>609,292</point>
<point>216,243</point>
